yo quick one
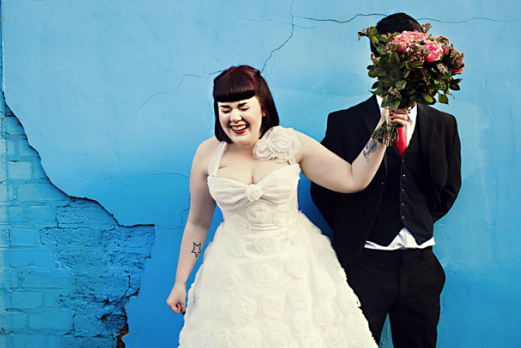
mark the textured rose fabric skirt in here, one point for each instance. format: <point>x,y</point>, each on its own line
<point>274,286</point>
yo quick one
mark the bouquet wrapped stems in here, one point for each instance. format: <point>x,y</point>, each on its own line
<point>386,132</point>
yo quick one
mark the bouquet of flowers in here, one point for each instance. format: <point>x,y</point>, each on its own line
<point>413,67</point>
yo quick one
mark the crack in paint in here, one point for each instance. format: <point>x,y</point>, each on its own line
<point>286,41</point>
<point>469,20</point>
<point>165,93</point>
<point>339,21</point>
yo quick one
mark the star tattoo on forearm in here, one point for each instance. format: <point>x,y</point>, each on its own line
<point>197,249</point>
<point>370,147</point>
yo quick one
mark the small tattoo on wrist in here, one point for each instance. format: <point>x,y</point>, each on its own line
<point>370,147</point>
<point>197,249</point>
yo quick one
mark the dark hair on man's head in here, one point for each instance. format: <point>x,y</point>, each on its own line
<point>397,22</point>
<point>239,83</point>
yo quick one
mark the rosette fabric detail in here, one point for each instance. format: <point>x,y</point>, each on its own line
<point>278,144</point>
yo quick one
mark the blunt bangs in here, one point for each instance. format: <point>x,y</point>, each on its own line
<point>233,87</point>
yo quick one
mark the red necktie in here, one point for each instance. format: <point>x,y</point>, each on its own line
<point>401,143</point>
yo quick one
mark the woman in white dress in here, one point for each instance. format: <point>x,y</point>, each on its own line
<point>269,277</point>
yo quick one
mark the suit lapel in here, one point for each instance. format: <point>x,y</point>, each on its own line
<point>371,114</point>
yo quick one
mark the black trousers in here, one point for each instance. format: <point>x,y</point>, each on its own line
<point>406,284</point>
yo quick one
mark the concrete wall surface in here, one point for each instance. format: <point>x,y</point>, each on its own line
<point>114,98</point>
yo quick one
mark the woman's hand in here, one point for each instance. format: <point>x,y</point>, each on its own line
<point>398,117</point>
<point>177,299</point>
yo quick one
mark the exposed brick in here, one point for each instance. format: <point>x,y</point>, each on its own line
<point>139,236</point>
<point>70,236</point>
<point>12,126</point>
<point>24,237</point>
<point>24,340</point>
<point>3,193</point>
<point>5,341</point>
<point>5,299</point>
<point>4,237</point>
<point>16,320</point>
<point>50,297</point>
<point>91,342</point>
<point>26,299</point>
<point>24,150</point>
<point>3,167</point>
<point>78,213</point>
<point>38,172</point>
<point>14,279</point>
<point>56,320</point>
<point>87,326</point>
<point>5,279</point>
<point>55,279</point>
<point>43,191</point>
<point>42,215</point>
<point>69,267</point>
<point>16,214</point>
<point>32,258</point>
<point>19,170</point>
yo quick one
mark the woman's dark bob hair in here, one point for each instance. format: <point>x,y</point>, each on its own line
<point>239,83</point>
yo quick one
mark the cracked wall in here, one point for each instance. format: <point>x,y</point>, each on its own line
<point>116,96</point>
<point>67,268</point>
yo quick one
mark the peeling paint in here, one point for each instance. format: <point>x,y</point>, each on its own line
<point>70,267</point>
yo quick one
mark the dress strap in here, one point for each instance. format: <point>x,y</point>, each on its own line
<point>213,167</point>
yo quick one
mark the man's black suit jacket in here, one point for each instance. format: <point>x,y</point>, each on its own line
<point>351,216</point>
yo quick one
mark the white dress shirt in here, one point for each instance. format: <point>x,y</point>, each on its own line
<point>404,239</point>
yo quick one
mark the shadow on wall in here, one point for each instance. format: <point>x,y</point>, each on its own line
<point>67,268</point>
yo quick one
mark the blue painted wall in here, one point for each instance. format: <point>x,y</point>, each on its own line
<point>116,96</point>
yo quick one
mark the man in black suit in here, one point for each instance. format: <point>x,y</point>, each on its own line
<point>384,235</point>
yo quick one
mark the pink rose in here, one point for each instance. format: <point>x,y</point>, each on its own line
<point>401,42</point>
<point>435,51</point>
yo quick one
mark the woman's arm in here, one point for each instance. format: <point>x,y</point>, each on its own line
<point>202,207</point>
<point>326,169</point>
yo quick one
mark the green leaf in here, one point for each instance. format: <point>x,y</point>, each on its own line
<point>454,87</point>
<point>395,105</point>
<point>400,85</point>
<point>412,91</point>
<point>374,40</point>
<point>427,98</point>
<point>443,99</point>
<point>406,73</point>
<point>394,58</point>
<point>388,82</point>
<point>372,74</point>
<point>418,65</point>
<point>385,103</point>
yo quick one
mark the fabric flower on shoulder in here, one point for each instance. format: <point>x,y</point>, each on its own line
<point>278,143</point>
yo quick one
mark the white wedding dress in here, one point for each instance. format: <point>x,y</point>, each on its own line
<point>270,278</point>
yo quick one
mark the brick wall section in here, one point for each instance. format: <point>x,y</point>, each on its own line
<point>66,267</point>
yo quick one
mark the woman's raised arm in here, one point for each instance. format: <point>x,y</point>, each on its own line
<point>326,169</point>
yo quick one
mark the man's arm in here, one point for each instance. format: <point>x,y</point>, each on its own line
<point>450,191</point>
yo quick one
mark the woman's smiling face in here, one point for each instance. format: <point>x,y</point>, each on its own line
<point>242,120</point>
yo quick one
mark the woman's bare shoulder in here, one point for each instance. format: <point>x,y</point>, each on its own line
<point>205,151</point>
